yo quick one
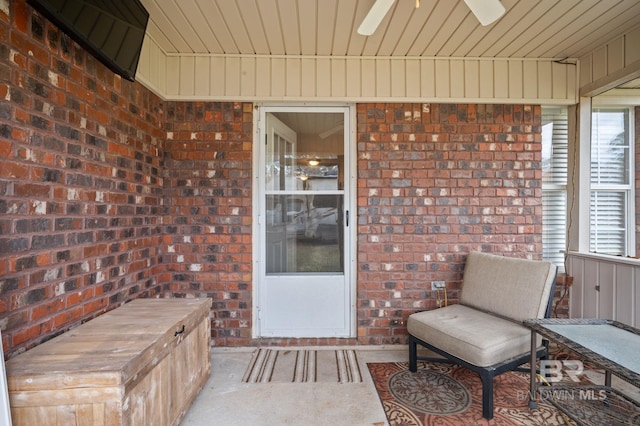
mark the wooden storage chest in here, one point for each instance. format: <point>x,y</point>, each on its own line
<point>140,364</point>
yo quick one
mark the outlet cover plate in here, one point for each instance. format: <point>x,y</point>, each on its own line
<point>435,285</point>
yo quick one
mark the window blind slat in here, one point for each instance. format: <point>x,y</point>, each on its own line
<point>555,159</point>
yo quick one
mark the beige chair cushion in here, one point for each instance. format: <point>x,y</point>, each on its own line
<point>514,288</point>
<point>473,336</point>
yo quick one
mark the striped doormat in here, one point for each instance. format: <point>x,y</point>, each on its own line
<point>299,366</point>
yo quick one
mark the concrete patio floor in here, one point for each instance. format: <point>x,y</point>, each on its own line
<point>226,400</point>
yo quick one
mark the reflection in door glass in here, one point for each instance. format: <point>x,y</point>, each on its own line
<point>281,170</point>
<point>304,233</point>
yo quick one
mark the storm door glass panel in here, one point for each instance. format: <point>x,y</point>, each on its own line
<point>303,233</point>
<point>304,200</point>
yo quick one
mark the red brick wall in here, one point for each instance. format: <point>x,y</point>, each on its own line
<point>208,213</point>
<point>436,181</point>
<point>80,184</point>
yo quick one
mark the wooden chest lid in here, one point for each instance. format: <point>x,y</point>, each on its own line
<point>110,350</point>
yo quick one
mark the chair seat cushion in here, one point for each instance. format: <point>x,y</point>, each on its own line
<point>474,336</point>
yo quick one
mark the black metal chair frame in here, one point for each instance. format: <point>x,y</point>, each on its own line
<point>486,373</point>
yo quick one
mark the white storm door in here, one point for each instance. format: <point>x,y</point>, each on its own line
<point>303,288</point>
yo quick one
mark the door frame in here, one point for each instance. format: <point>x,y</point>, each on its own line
<point>350,269</point>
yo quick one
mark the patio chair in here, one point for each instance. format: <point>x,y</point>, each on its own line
<point>484,332</point>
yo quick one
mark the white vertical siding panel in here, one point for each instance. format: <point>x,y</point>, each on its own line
<point>354,78</point>
<point>457,78</point>
<point>631,43</point>
<point>414,79</point>
<point>293,77</point>
<point>187,75</point>
<point>610,64</point>
<point>278,72</point>
<point>590,298</point>
<point>515,79</point>
<point>398,77</point>
<point>265,81</point>
<point>530,79</point>
<point>623,304</point>
<point>471,79</point>
<point>217,78</point>
<point>159,69</point>
<point>202,72</point>
<point>486,79</point>
<point>323,78</point>
<point>545,80</point>
<point>615,55</point>
<point>572,82</point>
<point>383,77</point>
<point>606,274</point>
<point>308,75</point>
<point>428,78</point>
<point>559,72</point>
<point>338,78</point>
<point>232,74</point>
<point>144,61</point>
<point>617,297</point>
<point>442,78</point>
<point>586,70</point>
<point>152,66</point>
<point>599,65</point>
<point>576,293</point>
<point>368,78</point>
<point>173,70</point>
<point>247,76</point>
<point>501,79</point>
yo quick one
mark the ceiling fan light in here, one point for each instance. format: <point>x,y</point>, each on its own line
<point>374,17</point>
<point>487,11</point>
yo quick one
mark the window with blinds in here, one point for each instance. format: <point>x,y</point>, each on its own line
<point>555,156</point>
<point>611,214</point>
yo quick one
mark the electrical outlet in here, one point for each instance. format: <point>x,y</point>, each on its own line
<point>435,285</point>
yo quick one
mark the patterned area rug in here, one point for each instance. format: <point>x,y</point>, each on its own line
<point>445,394</point>
<point>298,366</point>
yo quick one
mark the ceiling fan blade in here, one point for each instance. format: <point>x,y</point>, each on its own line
<point>487,11</point>
<point>374,17</point>
<point>335,129</point>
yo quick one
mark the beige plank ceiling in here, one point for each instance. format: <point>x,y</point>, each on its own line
<point>438,28</point>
